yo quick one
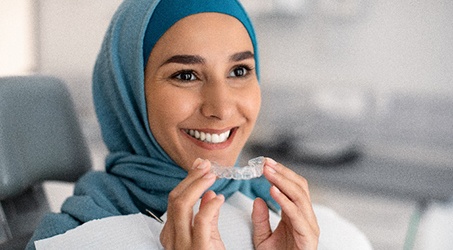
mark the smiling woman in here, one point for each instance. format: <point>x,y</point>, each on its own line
<point>176,88</point>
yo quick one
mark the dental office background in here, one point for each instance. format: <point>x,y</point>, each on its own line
<point>343,50</point>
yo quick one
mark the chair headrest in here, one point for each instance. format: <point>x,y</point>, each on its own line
<point>40,136</point>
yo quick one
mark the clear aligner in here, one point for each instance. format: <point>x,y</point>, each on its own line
<point>253,170</point>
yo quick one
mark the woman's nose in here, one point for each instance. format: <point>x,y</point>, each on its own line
<point>218,101</point>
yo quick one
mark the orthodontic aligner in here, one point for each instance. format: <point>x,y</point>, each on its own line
<point>253,170</point>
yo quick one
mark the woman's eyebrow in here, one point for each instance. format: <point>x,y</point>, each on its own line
<point>194,59</point>
<point>185,59</point>
<point>241,56</point>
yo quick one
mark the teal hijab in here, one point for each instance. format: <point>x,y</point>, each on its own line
<point>139,173</point>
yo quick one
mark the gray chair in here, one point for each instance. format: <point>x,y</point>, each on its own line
<point>40,139</point>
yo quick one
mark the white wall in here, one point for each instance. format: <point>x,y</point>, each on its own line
<point>16,37</point>
<point>403,45</point>
<point>71,34</point>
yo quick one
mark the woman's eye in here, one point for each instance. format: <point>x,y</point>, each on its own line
<point>185,76</point>
<point>240,71</point>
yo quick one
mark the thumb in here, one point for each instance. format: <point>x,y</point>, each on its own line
<point>260,220</point>
<point>215,233</point>
<point>207,219</point>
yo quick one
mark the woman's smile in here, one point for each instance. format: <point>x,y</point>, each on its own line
<point>209,137</point>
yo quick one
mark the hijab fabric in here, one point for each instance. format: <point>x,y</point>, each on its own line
<point>139,173</point>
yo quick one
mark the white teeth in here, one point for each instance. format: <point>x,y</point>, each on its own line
<point>207,137</point>
<point>223,137</point>
<point>197,134</point>
<point>215,138</point>
<point>202,136</point>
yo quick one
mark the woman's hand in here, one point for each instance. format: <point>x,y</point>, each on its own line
<point>182,230</point>
<point>298,228</point>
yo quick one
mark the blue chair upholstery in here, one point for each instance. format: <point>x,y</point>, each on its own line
<point>40,139</point>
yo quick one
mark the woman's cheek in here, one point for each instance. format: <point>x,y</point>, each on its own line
<point>253,104</point>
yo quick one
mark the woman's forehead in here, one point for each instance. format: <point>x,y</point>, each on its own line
<point>208,29</point>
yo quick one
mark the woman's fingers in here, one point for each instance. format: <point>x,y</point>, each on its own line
<point>209,195</point>
<point>187,193</point>
<point>199,168</point>
<point>205,225</point>
<point>303,219</point>
<point>291,191</point>
<point>165,234</point>
<point>286,175</point>
<point>260,219</point>
<point>181,203</point>
<point>178,228</point>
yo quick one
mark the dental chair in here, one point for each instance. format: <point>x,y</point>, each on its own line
<point>40,139</point>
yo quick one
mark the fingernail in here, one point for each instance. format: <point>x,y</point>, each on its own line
<point>276,189</point>
<point>271,162</point>
<point>203,164</point>
<point>196,163</point>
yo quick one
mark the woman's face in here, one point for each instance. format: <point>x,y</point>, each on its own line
<point>202,91</point>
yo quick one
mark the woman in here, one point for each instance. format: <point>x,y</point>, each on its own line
<point>175,87</point>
